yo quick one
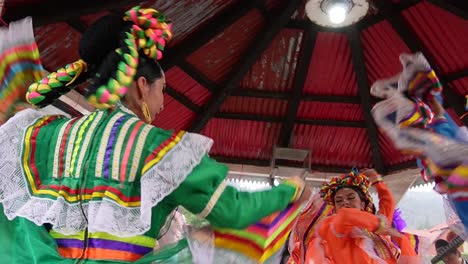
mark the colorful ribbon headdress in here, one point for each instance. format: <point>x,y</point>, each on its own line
<point>352,179</point>
<point>149,33</point>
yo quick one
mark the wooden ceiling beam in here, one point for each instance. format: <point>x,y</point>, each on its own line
<point>49,12</point>
<point>402,166</point>
<point>300,77</point>
<point>366,102</point>
<point>333,123</point>
<point>456,75</point>
<point>262,94</point>
<point>456,7</point>
<point>260,5</point>
<point>249,117</point>
<point>279,119</point>
<point>407,34</point>
<point>199,77</point>
<point>181,98</point>
<point>77,24</point>
<point>253,53</point>
<point>266,94</point>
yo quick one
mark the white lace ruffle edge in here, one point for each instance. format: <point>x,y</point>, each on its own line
<point>101,216</point>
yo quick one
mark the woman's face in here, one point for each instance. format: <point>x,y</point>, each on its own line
<point>152,94</point>
<point>155,99</point>
<point>348,198</point>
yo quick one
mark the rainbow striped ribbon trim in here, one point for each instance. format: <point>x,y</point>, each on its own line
<point>262,240</point>
<point>102,246</point>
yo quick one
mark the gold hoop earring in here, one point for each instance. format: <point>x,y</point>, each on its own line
<point>146,112</point>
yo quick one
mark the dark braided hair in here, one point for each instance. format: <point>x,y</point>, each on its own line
<point>114,52</point>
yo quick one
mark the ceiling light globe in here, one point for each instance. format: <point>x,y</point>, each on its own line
<point>337,13</point>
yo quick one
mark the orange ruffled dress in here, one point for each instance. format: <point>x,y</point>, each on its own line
<point>349,236</point>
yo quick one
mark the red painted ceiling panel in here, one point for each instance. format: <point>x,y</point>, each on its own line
<point>216,58</point>
<point>330,111</point>
<point>242,138</point>
<point>454,116</point>
<point>183,83</point>
<point>334,146</point>
<point>382,47</point>
<point>391,156</point>
<point>331,71</point>
<point>443,33</point>
<point>174,116</point>
<point>461,86</point>
<point>275,70</point>
<point>58,45</point>
<point>187,15</point>
<point>254,106</point>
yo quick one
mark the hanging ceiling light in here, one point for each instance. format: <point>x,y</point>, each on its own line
<point>336,13</point>
<point>337,10</point>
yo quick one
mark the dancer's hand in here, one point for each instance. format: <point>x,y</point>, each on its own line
<point>373,175</point>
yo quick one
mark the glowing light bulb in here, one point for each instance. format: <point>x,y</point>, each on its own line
<point>337,13</point>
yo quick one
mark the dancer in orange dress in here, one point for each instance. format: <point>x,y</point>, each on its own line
<point>354,232</point>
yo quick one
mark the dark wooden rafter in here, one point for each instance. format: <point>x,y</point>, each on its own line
<point>308,43</point>
<point>279,119</point>
<point>181,98</point>
<point>199,77</point>
<point>249,117</point>
<point>304,97</point>
<point>335,123</point>
<point>364,94</point>
<point>201,36</point>
<point>61,11</point>
<point>260,44</point>
<point>457,75</point>
<point>402,166</point>
<point>407,34</point>
<point>77,25</point>
<point>258,4</point>
<point>456,7</point>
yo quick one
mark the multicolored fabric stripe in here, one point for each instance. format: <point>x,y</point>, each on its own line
<point>306,227</point>
<point>381,247</point>
<point>111,137</point>
<point>420,117</point>
<point>414,241</point>
<point>449,179</point>
<point>424,83</point>
<point>102,246</point>
<point>159,153</point>
<point>262,240</point>
<point>20,66</point>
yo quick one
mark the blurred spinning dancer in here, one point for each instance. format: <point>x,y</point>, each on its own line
<point>99,188</point>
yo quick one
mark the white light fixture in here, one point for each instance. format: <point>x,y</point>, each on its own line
<point>336,13</point>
